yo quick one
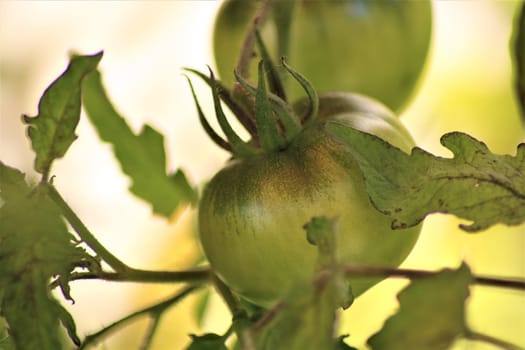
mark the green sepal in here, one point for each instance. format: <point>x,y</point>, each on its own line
<point>239,146</point>
<point>275,84</point>
<point>269,136</point>
<point>240,112</point>
<point>310,92</point>
<point>219,141</point>
<point>285,113</point>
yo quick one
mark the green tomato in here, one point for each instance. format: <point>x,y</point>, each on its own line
<point>252,212</point>
<point>376,48</point>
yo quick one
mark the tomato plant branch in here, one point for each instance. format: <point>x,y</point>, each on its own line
<point>84,232</point>
<point>411,273</point>
<point>475,336</point>
<point>244,337</point>
<point>146,276</point>
<point>148,339</point>
<point>155,311</point>
<point>248,45</point>
<point>226,294</point>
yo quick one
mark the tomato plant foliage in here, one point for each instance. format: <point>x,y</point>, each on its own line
<point>44,245</point>
<point>408,187</point>
<point>142,157</point>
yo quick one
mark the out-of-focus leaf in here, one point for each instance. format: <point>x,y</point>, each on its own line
<point>6,343</point>
<point>475,185</point>
<point>201,307</point>
<point>519,59</point>
<point>431,313</point>
<point>208,341</point>
<point>12,183</point>
<point>35,246</point>
<point>141,157</point>
<point>52,131</point>
<point>306,317</point>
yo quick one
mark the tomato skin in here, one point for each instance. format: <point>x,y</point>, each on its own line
<point>252,212</point>
<point>376,48</point>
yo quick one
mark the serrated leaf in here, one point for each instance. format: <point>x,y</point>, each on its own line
<point>208,341</point>
<point>35,246</point>
<point>476,184</point>
<point>431,313</point>
<point>52,131</point>
<point>141,157</point>
<point>519,59</point>
<point>12,183</point>
<point>306,318</point>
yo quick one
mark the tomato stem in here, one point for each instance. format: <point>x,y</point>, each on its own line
<point>246,54</point>
<point>84,232</point>
<point>275,84</point>
<point>144,276</point>
<point>154,311</point>
<point>518,284</point>
<point>502,344</point>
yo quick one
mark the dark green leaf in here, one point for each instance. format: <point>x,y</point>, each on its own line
<point>475,185</point>
<point>35,246</point>
<point>52,131</point>
<point>141,157</point>
<point>306,316</point>
<point>431,313</point>
<point>519,58</point>
<point>208,341</point>
<point>68,323</point>
<point>12,183</point>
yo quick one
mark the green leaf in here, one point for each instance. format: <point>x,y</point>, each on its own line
<point>208,341</point>
<point>12,183</point>
<point>475,185</point>
<point>52,131</point>
<point>35,246</point>
<point>519,59</point>
<point>305,318</point>
<point>142,157</point>
<point>6,344</point>
<point>431,313</point>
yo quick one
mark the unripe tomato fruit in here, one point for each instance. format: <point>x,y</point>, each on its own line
<point>374,47</point>
<point>252,212</point>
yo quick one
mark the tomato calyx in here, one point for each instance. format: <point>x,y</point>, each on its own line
<point>261,109</point>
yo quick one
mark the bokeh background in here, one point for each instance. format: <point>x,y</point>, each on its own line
<point>467,86</point>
